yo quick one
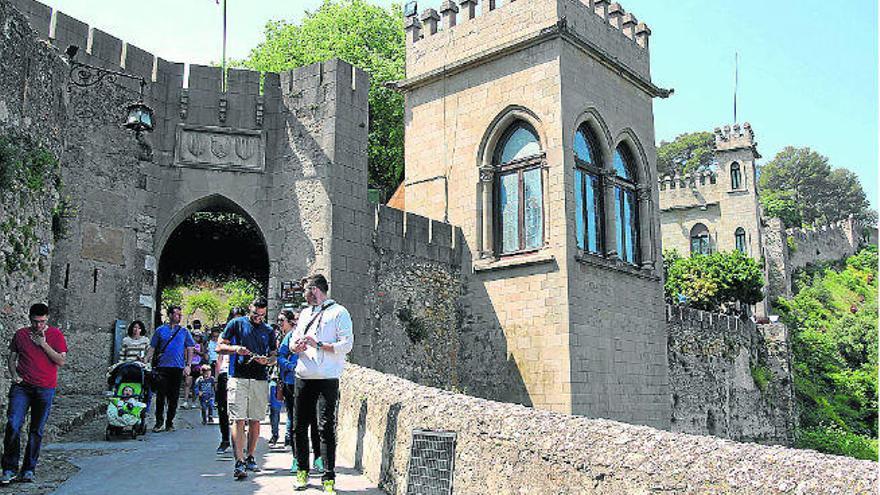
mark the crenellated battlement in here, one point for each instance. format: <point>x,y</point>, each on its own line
<point>706,178</point>
<point>471,29</point>
<point>705,320</point>
<point>734,137</point>
<point>198,100</point>
<point>408,233</point>
<point>450,15</point>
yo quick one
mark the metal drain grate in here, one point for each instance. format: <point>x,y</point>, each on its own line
<point>431,463</point>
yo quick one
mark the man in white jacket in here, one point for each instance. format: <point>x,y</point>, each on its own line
<point>322,338</point>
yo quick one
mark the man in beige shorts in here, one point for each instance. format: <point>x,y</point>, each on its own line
<point>252,345</point>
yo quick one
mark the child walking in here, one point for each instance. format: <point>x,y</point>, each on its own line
<point>276,402</point>
<point>205,386</point>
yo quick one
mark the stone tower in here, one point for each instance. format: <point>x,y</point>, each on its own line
<point>530,125</point>
<point>720,206</point>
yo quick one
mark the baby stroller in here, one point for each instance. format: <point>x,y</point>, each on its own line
<point>126,411</point>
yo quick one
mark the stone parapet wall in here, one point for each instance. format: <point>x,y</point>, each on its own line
<point>729,377</point>
<point>506,448</point>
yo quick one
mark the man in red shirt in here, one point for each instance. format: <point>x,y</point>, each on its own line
<point>35,354</point>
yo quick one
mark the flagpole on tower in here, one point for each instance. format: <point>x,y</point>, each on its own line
<point>223,77</point>
<point>735,81</point>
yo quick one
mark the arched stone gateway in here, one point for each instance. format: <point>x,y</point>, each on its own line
<point>212,237</point>
<point>286,152</point>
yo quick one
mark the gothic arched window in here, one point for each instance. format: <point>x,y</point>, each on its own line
<point>740,236</point>
<point>626,206</point>
<point>700,240</point>
<point>735,176</point>
<point>587,192</point>
<point>519,212</point>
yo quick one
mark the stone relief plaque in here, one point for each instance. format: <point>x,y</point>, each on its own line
<point>101,243</point>
<point>220,148</point>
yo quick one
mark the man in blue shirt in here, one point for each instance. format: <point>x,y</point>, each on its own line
<point>252,345</point>
<point>173,346</point>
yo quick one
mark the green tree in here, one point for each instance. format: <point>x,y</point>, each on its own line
<point>782,205</point>
<point>208,303</point>
<point>362,34</point>
<point>687,153</point>
<point>240,293</point>
<point>843,196</point>
<point>716,281</point>
<point>172,296</point>
<point>820,194</point>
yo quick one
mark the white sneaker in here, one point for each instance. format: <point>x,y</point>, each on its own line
<point>185,405</point>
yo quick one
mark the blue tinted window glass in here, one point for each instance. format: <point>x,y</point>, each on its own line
<point>534,217</point>
<point>740,240</point>
<point>618,220</point>
<point>621,166</point>
<point>629,225</point>
<point>582,149</point>
<point>735,178</point>
<point>593,213</point>
<point>579,207</point>
<point>520,144</point>
<point>508,196</point>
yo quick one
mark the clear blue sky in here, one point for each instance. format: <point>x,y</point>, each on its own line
<point>808,68</point>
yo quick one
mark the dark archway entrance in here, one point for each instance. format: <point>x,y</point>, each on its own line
<point>216,244</point>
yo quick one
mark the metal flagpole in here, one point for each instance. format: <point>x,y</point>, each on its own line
<point>735,81</point>
<point>224,47</point>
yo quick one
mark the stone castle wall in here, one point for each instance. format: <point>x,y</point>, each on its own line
<point>414,299</point>
<point>291,157</point>
<point>729,377</point>
<point>830,242</point>
<point>32,105</point>
<point>788,250</point>
<point>507,448</point>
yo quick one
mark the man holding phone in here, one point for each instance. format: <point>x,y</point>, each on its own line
<point>35,354</point>
<point>321,340</point>
<point>252,345</point>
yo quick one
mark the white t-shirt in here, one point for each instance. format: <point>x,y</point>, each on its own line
<point>331,326</point>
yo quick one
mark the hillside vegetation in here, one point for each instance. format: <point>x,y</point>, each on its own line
<point>833,324</point>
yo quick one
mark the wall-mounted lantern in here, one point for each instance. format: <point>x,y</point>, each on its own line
<point>139,116</point>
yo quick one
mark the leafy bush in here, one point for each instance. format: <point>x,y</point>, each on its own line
<point>208,303</point>
<point>24,162</point>
<point>834,440</point>
<point>715,281</point>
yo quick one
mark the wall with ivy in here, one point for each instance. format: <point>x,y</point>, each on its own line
<point>33,113</point>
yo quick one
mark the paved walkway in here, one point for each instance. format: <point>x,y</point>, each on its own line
<point>184,462</point>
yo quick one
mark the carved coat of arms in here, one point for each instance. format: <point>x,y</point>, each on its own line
<point>219,146</point>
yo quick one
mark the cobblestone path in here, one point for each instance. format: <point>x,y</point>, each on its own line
<point>181,462</point>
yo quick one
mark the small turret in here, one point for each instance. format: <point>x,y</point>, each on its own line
<point>735,137</point>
